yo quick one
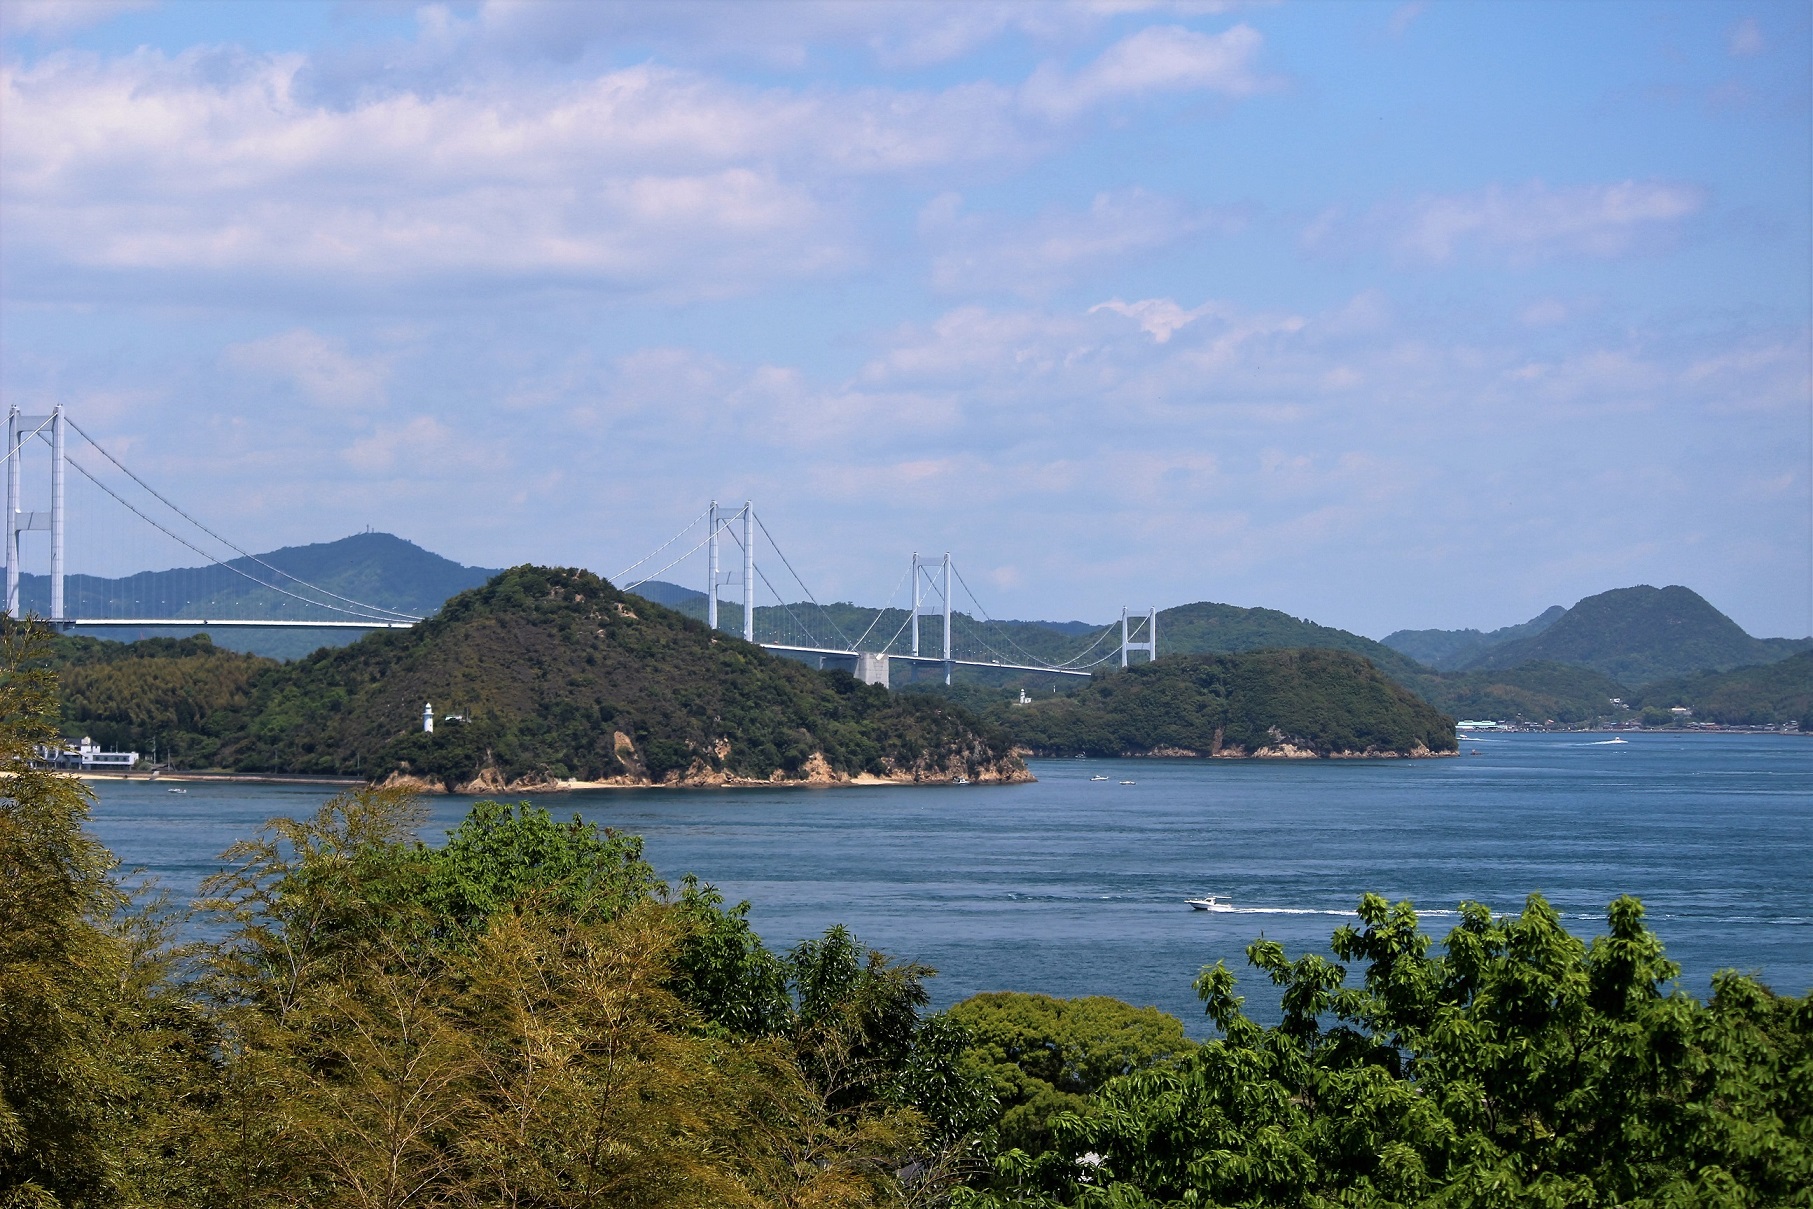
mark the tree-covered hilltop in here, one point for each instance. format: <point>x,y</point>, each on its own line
<point>1640,635</point>
<point>548,675</point>
<point>1313,702</point>
<point>1445,650</point>
<point>1770,695</point>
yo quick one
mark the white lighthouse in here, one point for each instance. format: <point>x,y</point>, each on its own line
<point>428,717</point>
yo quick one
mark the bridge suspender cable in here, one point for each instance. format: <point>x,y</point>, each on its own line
<point>619,577</point>
<point>374,612</point>
<point>83,470</point>
<point>802,584</point>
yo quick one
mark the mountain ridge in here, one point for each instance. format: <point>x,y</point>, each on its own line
<point>1448,650</point>
<point>1639,635</point>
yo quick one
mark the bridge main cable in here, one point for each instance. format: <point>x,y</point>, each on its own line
<point>166,502</point>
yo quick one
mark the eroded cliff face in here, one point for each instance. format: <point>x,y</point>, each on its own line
<point>974,763</point>
<point>1280,747</point>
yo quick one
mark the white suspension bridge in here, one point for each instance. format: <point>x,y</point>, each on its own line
<point>121,515</point>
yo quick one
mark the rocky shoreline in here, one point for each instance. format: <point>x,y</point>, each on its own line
<point>815,773</point>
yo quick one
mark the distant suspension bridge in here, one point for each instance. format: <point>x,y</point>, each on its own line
<point>235,588</point>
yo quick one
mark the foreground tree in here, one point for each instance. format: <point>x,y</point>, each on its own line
<point>66,969</point>
<point>1518,1067</point>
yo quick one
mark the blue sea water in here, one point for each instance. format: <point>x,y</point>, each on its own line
<point>1075,886</point>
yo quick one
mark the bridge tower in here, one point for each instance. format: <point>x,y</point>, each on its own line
<point>711,563</point>
<point>747,512</point>
<point>1149,646</point>
<point>20,429</point>
<point>918,609</point>
<point>748,571</point>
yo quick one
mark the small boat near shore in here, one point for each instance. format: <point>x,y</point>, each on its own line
<point>176,791</point>
<point>1209,903</point>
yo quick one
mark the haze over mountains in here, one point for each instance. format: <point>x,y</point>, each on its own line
<point>1565,664</point>
<point>378,569</point>
<point>1634,635</point>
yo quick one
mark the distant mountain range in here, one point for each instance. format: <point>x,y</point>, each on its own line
<point>373,568</point>
<point>1564,664</point>
<point>1450,650</point>
<point>1632,635</point>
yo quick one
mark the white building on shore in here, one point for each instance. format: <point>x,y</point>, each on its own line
<point>85,756</point>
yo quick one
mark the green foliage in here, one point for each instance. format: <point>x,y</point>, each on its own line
<point>177,695</point>
<point>1642,634</point>
<point>98,1042</point>
<point>1042,1055</point>
<point>1518,1066</point>
<point>1206,628</point>
<point>60,1067</point>
<point>1322,700</point>
<point>724,971</point>
<point>499,855</point>
<point>1769,695</point>
<point>1531,692</point>
<point>556,674</point>
<point>1446,650</point>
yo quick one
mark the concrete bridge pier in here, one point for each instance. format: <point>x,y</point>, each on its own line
<point>872,669</point>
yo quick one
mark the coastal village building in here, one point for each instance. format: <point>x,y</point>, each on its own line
<point>85,756</point>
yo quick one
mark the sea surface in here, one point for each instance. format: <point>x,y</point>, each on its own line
<point>1075,886</point>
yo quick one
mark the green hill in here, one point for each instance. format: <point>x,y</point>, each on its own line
<point>1273,703</point>
<point>1531,693</point>
<point>1446,650</point>
<point>555,675</point>
<point>1642,634</point>
<point>373,568</point>
<point>1221,629</point>
<point>1772,694</point>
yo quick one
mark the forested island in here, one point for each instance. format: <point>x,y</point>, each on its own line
<point>1284,704</point>
<point>549,678</point>
<point>544,677</point>
<point>526,1016</point>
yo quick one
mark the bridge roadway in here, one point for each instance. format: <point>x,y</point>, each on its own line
<point>193,622</point>
<point>934,659</point>
<point>189,623</point>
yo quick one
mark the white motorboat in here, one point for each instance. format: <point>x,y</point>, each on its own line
<point>1210,903</point>
<point>961,781</point>
<point>176,791</point>
<point>1129,782</point>
<point>1098,777</point>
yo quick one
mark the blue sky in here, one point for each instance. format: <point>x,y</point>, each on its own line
<point>1388,315</point>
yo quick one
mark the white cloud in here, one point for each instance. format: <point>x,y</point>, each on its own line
<point>1405,15</point>
<point>321,370</point>
<point>1544,312</point>
<point>1157,59</point>
<point>54,17</point>
<point>642,178</point>
<point>1159,318</point>
<point>420,442</point>
<point>992,254</point>
<point>1746,39</point>
<point>1528,222</point>
<point>898,33</point>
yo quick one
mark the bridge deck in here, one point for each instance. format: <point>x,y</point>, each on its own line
<point>189,623</point>
<point>934,659</point>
